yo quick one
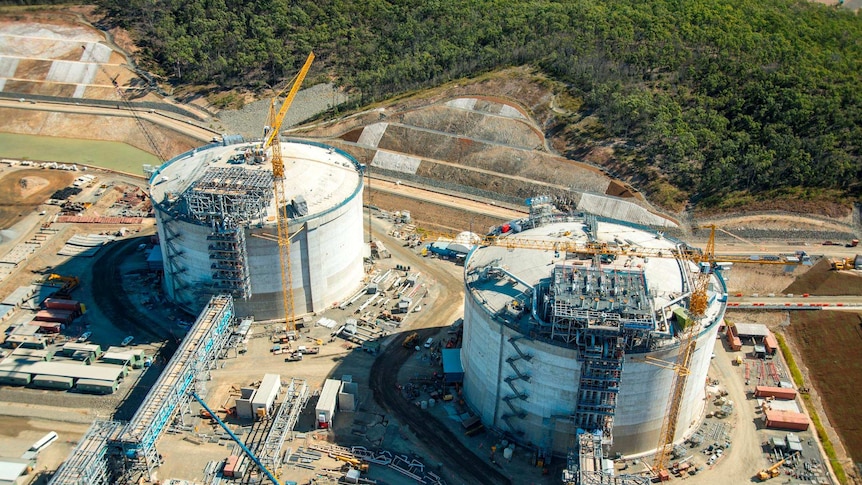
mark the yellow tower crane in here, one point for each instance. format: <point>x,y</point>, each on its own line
<point>698,304</point>
<point>271,140</point>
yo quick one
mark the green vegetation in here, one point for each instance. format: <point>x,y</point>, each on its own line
<point>717,96</point>
<point>840,475</point>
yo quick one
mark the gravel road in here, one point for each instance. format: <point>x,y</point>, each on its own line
<point>436,437</point>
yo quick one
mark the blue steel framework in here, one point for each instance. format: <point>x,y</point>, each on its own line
<point>198,350</point>
<point>88,464</point>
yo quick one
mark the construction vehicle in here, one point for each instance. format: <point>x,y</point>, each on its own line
<point>69,284</point>
<point>772,472</point>
<point>410,340</point>
<point>293,357</point>
<point>353,461</point>
<point>283,209</point>
<point>843,263</point>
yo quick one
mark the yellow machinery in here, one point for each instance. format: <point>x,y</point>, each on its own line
<point>410,340</point>
<point>842,264</point>
<point>271,140</point>
<point>772,472</point>
<point>69,284</point>
<point>698,303</point>
<point>355,462</point>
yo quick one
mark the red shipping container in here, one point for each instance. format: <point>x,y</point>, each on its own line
<point>59,304</point>
<point>59,316</point>
<point>777,419</point>
<point>771,343</point>
<point>776,392</point>
<point>230,466</point>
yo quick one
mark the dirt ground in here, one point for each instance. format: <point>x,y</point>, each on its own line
<point>822,281</point>
<point>22,191</point>
<point>829,343</point>
<point>826,344</point>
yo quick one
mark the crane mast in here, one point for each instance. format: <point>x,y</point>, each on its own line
<point>698,304</point>
<point>271,140</point>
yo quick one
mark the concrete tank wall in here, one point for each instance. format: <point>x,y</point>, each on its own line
<point>326,263</point>
<point>326,250</point>
<point>552,389</point>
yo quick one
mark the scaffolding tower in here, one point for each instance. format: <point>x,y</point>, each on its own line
<point>295,399</point>
<point>602,313</point>
<point>586,466</point>
<point>239,193</point>
<point>229,260</point>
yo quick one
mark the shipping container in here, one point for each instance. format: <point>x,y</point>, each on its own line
<point>15,378</point>
<point>44,442</point>
<point>771,343</point>
<point>50,327</point>
<point>325,409</point>
<point>776,392</point>
<point>60,304</point>
<point>777,419</point>
<point>55,315</point>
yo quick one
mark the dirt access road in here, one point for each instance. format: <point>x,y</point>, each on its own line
<point>436,437</point>
<point>157,117</point>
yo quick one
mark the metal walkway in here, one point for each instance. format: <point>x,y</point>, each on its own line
<point>198,351</point>
<point>88,463</point>
<point>295,398</point>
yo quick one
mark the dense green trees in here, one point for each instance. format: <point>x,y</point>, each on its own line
<point>722,96</point>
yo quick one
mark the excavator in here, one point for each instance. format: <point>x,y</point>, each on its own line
<point>69,284</point>
<point>772,472</point>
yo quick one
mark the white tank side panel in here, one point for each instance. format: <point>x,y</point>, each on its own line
<point>695,389</point>
<point>326,259</point>
<point>193,263</point>
<point>334,258</point>
<point>167,281</point>
<point>480,356</point>
<point>642,402</point>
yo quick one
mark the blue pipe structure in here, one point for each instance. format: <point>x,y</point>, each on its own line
<point>237,440</point>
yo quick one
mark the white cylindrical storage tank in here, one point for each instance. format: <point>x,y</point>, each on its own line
<point>216,218</point>
<point>556,341</point>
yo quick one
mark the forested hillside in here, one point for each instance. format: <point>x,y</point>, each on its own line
<point>719,101</point>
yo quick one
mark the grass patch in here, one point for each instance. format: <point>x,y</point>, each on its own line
<point>227,100</point>
<point>815,419</point>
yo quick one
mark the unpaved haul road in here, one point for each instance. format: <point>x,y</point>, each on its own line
<point>456,458</point>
